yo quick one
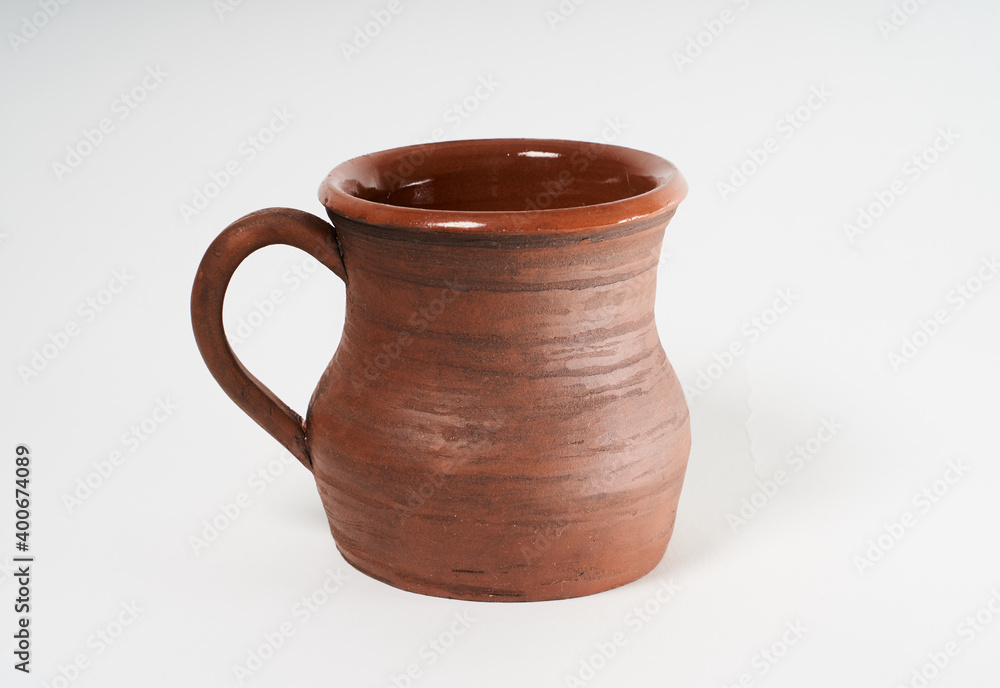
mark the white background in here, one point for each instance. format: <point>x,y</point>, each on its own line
<point>796,560</point>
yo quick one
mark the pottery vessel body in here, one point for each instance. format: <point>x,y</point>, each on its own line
<point>499,421</point>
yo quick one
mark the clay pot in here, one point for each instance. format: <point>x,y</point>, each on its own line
<point>499,421</point>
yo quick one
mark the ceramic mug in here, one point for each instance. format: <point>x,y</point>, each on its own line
<point>499,421</point>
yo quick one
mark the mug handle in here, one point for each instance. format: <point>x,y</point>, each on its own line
<point>237,241</point>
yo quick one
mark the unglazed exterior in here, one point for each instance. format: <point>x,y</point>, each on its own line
<point>499,421</point>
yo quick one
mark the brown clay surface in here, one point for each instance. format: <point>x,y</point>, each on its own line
<point>499,421</point>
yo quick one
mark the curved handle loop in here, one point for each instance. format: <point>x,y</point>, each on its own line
<point>237,241</point>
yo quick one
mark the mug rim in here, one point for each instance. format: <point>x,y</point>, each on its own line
<point>670,189</point>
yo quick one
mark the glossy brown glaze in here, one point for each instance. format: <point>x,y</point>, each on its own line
<point>499,421</point>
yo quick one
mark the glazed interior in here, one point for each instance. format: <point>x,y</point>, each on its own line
<point>525,180</point>
<point>458,184</point>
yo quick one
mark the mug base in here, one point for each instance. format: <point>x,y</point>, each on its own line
<point>465,587</point>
